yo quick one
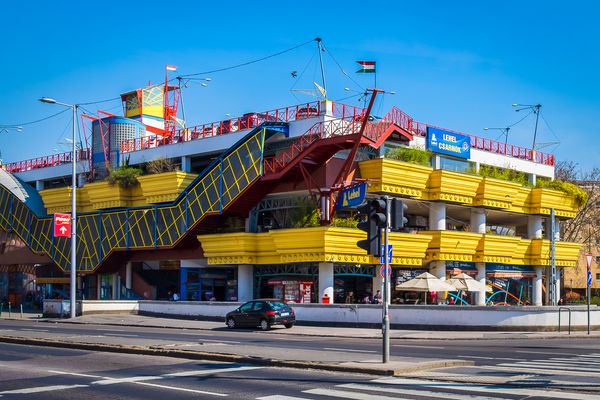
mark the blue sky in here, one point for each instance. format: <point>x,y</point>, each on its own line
<point>459,65</point>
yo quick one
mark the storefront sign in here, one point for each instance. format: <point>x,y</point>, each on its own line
<point>450,143</point>
<point>352,196</point>
<point>406,275</point>
<point>460,264</point>
<point>509,267</point>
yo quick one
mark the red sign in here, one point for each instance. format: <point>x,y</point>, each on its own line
<point>588,258</point>
<point>62,225</point>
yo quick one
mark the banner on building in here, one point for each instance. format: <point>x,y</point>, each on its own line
<point>450,143</point>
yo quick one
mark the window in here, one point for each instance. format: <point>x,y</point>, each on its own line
<point>247,307</point>
<point>598,277</point>
<point>598,242</point>
<point>598,205</point>
<point>455,164</point>
<point>597,259</point>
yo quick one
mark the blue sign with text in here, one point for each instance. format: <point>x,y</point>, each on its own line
<point>352,196</point>
<point>450,143</point>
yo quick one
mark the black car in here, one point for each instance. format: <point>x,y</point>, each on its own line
<point>263,313</point>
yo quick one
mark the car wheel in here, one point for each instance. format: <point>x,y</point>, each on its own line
<point>231,323</point>
<point>264,325</point>
<point>288,326</point>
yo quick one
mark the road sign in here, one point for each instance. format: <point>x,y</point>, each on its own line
<point>588,258</point>
<point>589,278</point>
<point>389,271</point>
<point>389,254</point>
<point>62,225</point>
<point>352,196</point>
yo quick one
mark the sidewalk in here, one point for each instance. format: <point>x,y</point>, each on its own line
<point>227,351</point>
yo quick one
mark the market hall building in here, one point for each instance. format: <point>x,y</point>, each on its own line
<point>251,209</point>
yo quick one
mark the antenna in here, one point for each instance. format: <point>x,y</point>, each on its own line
<point>321,49</point>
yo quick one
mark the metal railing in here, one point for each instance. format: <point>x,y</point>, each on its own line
<point>494,146</point>
<point>569,310</point>
<point>46,161</point>
<point>247,121</point>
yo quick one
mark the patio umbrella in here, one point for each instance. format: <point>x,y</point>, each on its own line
<point>468,284</point>
<point>426,283</point>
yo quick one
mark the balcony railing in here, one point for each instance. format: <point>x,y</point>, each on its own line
<point>46,161</point>
<point>247,121</point>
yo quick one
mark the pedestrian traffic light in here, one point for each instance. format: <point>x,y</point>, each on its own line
<point>373,242</point>
<point>397,210</point>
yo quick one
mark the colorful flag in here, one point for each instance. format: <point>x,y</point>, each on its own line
<point>367,67</point>
<point>171,68</point>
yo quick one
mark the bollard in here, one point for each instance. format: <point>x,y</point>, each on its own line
<point>9,310</point>
<point>21,311</point>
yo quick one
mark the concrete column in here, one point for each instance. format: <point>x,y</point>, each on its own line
<point>245,282</point>
<point>326,281</point>
<point>437,164</point>
<point>534,227</point>
<point>437,216</point>
<point>557,227</point>
<point>98,286</point>
<point>39,185</point>
<point>480,296</point>
<point>378,282</point>
<point>477,166</point>
<point>115,286</point>
<point>537,287</point>
<point>128,275</point>
<point>478,220</point>
<point>186,164</point>
<point>438,268</point>
<point>558,284</point>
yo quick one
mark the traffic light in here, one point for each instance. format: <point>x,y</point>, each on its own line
<point>380,212</point>
<point>372,244</point>
<point>397,210</point>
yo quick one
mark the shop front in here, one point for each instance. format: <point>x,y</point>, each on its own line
<point>404,274</point>
<point>292,283</point>
<point>209,284</point>
<point>512,284</point>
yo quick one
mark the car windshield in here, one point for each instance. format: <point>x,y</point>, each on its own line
<point>279,306</point>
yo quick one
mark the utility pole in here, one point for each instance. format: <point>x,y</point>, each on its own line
<point>386,285</point>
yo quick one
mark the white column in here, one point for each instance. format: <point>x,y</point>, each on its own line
<point>438,268</point>
<point>378,281</point>
<point>558,284</point>
<point>480,296</point>
<point>39,185</point>
<point>534,227</point>
<point>326,281</point>
<point>186,164</point>
<point>128,275</point>
<point>537,286</point>
<point>557,229</point>
<point>437,216</point>
<point>477,220</point>
<point>115,286</point>
<point>245,279</point>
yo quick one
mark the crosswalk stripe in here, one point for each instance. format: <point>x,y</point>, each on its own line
<point>41,389</point>
<point>181,389</point>
<point>536,370</point>
<point>346,395</point>
<point>410,392</point>
<point>547,366</point>
<point>486,389</point>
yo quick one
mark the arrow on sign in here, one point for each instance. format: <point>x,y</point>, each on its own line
<point>62,229</point>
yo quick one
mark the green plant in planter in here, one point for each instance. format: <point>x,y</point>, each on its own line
<point>578,193</point>
<point>125,176</point>
<point>344,222</point>
<point>411,155</point>
<point>503,174</point>
<point>304,215</point>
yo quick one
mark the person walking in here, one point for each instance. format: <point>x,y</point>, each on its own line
<point>350,298</point>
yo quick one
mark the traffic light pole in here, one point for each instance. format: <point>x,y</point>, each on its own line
<point>386,286</point>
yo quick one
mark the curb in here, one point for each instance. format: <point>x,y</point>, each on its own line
<point>224,357</point>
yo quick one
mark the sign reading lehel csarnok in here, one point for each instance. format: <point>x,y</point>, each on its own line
<point>450,143</point>
<point>62,225</point>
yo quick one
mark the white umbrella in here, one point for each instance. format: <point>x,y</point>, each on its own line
<point>426,283</point>
<point>468,284</point>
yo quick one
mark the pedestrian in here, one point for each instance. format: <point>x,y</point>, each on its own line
<point>367,299</point>
<point>377,297</point>
<point>350,298</point>
<point>175,296</point>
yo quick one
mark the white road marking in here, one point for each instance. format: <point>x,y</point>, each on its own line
<point>41,389</point>
<point>281,397</point>
<point>181,389</point>
<point>418,347</point>
<point>536,370</point>
<point>75,374</point>
<point>120,335</point>
<point>545,366</point>
<point>488,389</point>
<point>210,371</point>
<point>350,350</point>
<point>218,341</point>
<point>34,330</point>
<point>347,395</point>
<point>492,358</point>
<point>538,352</point>
<point>453,396</point>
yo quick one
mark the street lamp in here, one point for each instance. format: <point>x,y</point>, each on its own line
<point>73,207</point>
<point>505,130</point>
<point>536,110</point>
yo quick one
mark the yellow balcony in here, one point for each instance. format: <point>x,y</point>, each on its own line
<point>59,200</point>
<point>317,244</point>
<point>452,245</point>
<point>496,193</point>
<point>496,249</point>
<point>164,187</point>
<point>521,252</point>
<point>542,200</point>
<point>566,253</point>
<point>453,186</point>
<point>395,177</point>
<point>104,195</point>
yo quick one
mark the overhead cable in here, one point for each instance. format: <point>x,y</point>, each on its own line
<point>36,121</point>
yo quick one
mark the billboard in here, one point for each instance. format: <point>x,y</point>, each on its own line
<point>450,143</point>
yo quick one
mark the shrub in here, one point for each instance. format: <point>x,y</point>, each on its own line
<point>344,222</point>
<point>305,215</point>
<point>124,176</point>
<point>160,165</point>
<point>578,193</point>
<point>504,174</point>
<point>411,155</point>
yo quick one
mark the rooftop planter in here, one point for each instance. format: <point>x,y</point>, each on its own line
<point>453,186</point>
<point>59,200</point>
<point>542,200</point>
<point>318,244</point>
<point>103,195</point>
<point>164,187</point>
<point>496,193</point>
<point>397,177</point>
<point>452,245</point>
<point>496,249</point>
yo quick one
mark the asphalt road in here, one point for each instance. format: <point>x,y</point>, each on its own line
<point>32,372</point>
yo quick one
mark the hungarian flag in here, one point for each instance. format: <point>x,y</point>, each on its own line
<point>368,67</point>
<point>171,68</point>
